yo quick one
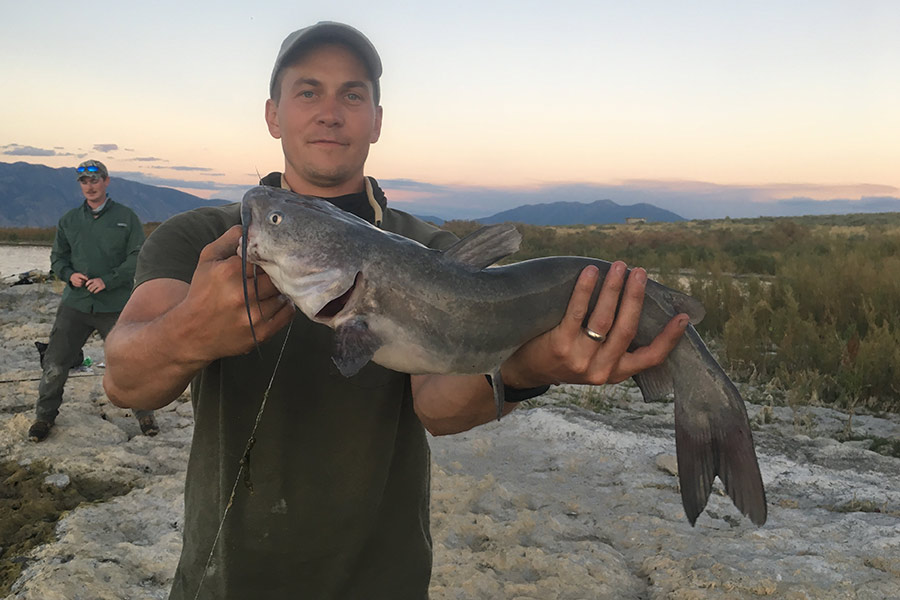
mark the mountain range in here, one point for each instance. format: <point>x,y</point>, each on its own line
<point>581,213</point>
<point>37,196</point>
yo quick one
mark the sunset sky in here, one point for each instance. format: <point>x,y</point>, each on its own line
<point>788,98</point>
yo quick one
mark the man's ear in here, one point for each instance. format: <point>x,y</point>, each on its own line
<point>376,130</point>
<point>272,119</point>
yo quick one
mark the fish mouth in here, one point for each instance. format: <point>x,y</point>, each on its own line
<point>334,307</point>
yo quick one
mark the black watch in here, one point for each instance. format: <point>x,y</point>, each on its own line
<point>511,394</point>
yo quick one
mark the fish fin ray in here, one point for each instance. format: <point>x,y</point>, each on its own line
<point>739,472</point>
<point>655,383</point>
<point>354,346</point>
<point>696,470</point>
<point>483,247</point>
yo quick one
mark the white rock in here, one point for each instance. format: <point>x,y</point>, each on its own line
<point>58,480</point>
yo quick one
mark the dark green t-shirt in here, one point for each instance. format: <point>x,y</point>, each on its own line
<point>340,470</point>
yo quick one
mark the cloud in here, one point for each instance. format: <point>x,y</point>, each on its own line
<point>213,186</point>
<point>419,186</point>
<point>105,147</point>
<point>148,159</point>
<point>19,150</point>
<point>185,168</point>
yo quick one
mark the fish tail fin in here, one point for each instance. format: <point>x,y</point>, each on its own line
<point>713,438</point>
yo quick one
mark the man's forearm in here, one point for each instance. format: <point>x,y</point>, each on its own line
<point>147,365</point>
<point>448,404</point>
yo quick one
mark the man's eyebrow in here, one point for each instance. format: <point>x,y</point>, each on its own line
<point>311,81</point>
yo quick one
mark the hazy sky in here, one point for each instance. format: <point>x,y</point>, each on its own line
<point>794,95</point>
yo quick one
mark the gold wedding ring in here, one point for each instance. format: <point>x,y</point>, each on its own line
<point>597,337</point>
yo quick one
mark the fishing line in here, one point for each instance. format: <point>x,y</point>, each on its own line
<point>71,376</point>
<point>245,462</point>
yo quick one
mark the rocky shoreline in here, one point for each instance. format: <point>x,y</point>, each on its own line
<point>552,502</point>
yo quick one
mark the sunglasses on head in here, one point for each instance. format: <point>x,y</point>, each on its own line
<point>89,169</point>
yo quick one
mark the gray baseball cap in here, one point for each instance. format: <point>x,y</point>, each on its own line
<point>91,168</point>
<point>330,31</point>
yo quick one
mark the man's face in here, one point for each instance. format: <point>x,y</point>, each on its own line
<point>326,119</point>
<point>94,188</point>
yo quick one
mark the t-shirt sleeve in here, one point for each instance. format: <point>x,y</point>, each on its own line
<point>173,249</point>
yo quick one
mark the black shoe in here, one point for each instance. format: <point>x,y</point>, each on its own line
<point>148,425</point>
<point>39,430</point>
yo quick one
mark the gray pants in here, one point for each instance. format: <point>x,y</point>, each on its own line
<point>70,331</point>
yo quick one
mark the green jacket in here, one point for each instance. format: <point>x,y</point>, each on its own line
<point>105,245</point>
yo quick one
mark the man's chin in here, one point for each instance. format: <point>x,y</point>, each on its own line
<point>328,177</point>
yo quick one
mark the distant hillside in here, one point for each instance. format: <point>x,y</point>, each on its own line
<point>37,196</point>
<point>582,213</point>
<point>431,219</point>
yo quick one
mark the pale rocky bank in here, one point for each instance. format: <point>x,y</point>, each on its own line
<point>552,502</point>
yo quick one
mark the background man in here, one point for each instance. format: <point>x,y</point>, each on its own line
<point>94,252</point>
<point>340,466</point>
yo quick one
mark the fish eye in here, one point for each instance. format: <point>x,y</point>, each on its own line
<point>275,217</point>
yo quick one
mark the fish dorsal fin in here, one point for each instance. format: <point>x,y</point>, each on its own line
<point>482,248</point>
<point>676,301</point>
<point>688,305</point>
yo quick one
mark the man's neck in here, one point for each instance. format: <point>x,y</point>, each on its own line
<point>300,186</point>
<point>97,203</point>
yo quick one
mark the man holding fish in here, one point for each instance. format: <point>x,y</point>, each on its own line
<point>335,495</point>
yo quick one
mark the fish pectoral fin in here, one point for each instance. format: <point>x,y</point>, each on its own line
<point>482,248</point>
<point>354,346</point>
<point>655,383</point>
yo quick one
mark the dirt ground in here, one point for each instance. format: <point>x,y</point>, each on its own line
<point>32,500</point>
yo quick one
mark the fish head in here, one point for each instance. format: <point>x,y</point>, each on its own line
<point>301,243</point>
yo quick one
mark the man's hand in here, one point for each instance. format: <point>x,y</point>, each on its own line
<point>78,279</point>
<point>565,354</point>
<point>216,298</point>
<point>95,285</point>
<point>170,329</point>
